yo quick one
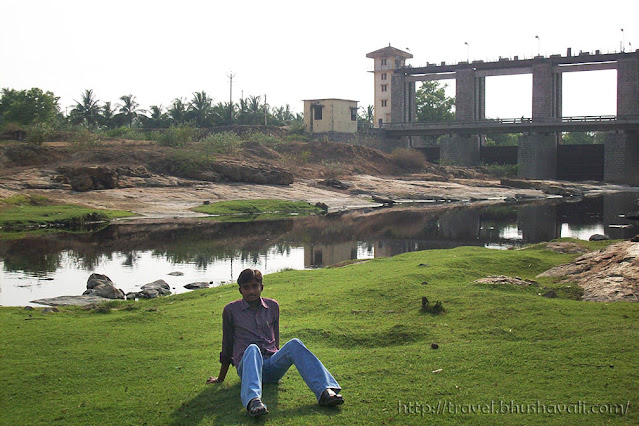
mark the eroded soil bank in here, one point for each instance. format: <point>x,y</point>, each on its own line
<point>341,176</point>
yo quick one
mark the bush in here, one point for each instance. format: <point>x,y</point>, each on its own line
<point>177,135</point>
<point>408,159</point>
<point>263,138</point>
<point>500,170</point>
<point>223,143</point>
<point>38,132</point>
<point>83,138</point>
<point>296,128</point>
<point>117,133</point>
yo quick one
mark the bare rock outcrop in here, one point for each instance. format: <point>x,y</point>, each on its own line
<point>86,178</point>
<point>607,275</point>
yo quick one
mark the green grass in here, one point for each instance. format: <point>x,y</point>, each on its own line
<point>146,362</point>
<point>258,207</point>
<point>23,211</point>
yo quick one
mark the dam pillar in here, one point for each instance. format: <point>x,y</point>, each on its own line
<point>546,92</point>
<point>537,156</point>
<point>628,86</point>
<point>621,157</point>
<point>470,105</point>
<point>459,150</point>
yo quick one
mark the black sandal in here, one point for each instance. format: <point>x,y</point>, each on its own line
<point>329,398</point>
<point>256,408</point>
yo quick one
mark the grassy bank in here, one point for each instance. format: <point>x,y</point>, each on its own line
<point>253,208</point>
<point>146,362</point>
<point>25,211</point>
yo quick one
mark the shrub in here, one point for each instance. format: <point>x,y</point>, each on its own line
<point>408,159</point>
<point>500,170</point>
<point>177,135</point>
<point>117,133</point>
<point>263,138</point>
<point>296,128</point>
<point>223,143</point>
<point>38,132</point>
<point>82,138</point>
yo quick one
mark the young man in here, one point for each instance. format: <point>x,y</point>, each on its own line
<point>250,342</point>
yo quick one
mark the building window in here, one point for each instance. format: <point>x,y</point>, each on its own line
<point>317,112</point>
<point>384,102</point>
<point>384,76</point>
<point>396,63</point>
<point>353,114</point>
<point>384,87</point>
<point>383,62</point>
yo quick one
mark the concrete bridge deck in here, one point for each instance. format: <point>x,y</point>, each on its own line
<point>512,125</point>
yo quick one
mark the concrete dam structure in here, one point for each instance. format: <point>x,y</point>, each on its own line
<point>537,153</point>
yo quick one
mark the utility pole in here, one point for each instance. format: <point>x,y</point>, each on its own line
<point>230,76</point>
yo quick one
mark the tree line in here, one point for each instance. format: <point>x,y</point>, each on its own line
<point>25,107</point>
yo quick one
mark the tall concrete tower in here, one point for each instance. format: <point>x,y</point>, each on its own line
<point>386,60</point>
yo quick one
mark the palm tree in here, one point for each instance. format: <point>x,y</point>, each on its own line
<point>86,111</point>
<point>107,116</point>
<point>129,109</point>
<point>158,116</point>
<point>201,108</point>
<point>222,111</point>
<point>177,111</point>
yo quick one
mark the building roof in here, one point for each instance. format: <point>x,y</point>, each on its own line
<point>388,51</point>
<point>328,99</point>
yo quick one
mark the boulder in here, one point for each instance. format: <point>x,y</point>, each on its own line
<point>70,300</point>
<point>148,294</point>
<point>160,286</point>
<point>105,290</point>
<point>86,178</point>
<point>101,286</point>
<point>598,237</point>
<point>97,279</point>
<point>334,183</point>
<point>197,285</point>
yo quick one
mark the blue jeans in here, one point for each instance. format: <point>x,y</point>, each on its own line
<point>254,370</point>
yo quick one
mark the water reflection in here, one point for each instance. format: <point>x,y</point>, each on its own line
<point>133,255</point>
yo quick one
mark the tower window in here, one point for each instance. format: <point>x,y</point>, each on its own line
<point>383,62</point>
<point>384,102</point>
<point>384,87</point>
<point>384,76</point>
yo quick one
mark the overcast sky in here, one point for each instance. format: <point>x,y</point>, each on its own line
<point>294,50</point>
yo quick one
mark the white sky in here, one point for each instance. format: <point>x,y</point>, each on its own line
<point>294,50</point>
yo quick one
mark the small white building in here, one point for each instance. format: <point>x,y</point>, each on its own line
<point>330,115</point>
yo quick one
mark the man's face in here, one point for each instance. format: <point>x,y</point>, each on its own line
<point>251,292</point>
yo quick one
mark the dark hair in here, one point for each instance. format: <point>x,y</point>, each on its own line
<point>249,275</point>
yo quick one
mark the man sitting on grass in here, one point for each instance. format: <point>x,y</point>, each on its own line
<point>250,342</point>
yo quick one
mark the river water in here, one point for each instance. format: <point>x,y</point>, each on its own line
<point>132,255</point>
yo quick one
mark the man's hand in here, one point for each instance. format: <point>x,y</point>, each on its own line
<point>213,380</point>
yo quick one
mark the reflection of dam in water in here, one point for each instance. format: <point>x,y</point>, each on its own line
<point>500,226</point>
<point>216,252</point>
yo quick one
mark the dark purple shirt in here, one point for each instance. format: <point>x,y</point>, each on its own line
<point>242,326</point>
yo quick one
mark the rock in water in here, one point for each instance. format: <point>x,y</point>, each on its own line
<point>101,286</point>
<point>160,286</point>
